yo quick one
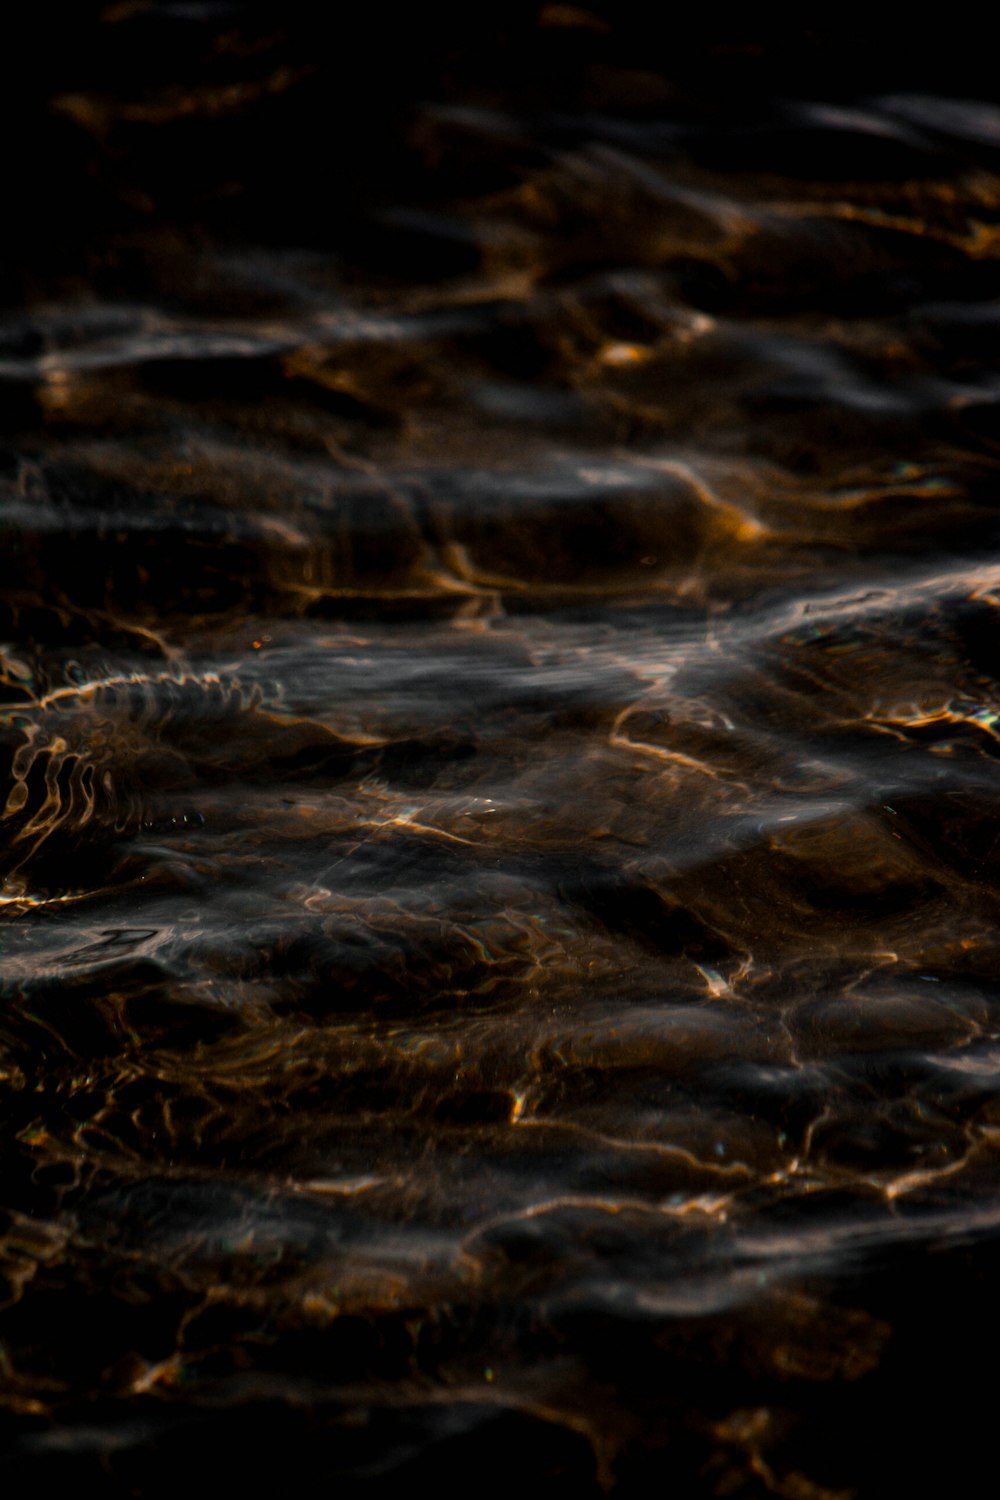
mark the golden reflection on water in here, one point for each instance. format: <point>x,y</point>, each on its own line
<point>498,880</point>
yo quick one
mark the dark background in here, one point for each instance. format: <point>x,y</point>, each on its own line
<point>289,124</point>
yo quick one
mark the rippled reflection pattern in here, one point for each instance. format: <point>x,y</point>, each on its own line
<point>498,770</point>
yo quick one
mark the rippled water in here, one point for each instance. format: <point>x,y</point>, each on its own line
<point>501,705</point>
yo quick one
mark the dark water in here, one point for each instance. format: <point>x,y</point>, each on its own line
<point>501,706</point>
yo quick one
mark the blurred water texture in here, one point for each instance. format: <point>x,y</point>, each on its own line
<point>500,699</point>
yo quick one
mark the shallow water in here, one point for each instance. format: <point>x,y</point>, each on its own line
<point>501,700</point>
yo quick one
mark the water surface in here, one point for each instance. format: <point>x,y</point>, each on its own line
<point>499,791</point>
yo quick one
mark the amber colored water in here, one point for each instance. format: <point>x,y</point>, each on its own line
<point>499,803</point>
